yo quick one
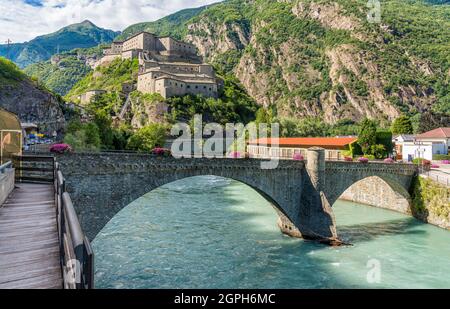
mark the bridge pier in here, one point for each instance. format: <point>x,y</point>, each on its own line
<point>316,219</point>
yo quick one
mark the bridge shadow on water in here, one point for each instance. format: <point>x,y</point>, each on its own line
<point>357,233</point>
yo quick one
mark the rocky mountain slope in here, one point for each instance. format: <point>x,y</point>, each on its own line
<point>32,103</point>
<point>82,35</point>
<point>324,58</point>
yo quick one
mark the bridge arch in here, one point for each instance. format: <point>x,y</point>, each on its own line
<point>379,192</point>
<point>103,184</point>
<point>341,176</point>
<point>141,192</point>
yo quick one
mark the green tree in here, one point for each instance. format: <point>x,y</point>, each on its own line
<point>85,138</point>
<point>147,138</point>
<point>367,135</point>
<point>402,125</point>
<point>378,151</point>
<point>92,134</point>
<point>104,121</point>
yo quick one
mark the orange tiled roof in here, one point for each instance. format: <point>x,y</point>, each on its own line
<point>325,142</point>
<point>436,133</point>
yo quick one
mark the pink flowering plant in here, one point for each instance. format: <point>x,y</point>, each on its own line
<point>235,155</point>
<point>363,160</point>
<point>298,157</point>
<point>161,152</point>
<point>348,159</point>
<point>60,148</point>
<point>445,162</point>
<point>435,166</point>
<point>389,160</point>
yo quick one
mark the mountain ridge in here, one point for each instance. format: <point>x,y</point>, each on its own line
<point>80,35</point>
<point>322,58</point>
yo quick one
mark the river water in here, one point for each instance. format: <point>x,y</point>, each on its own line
<point>210,232</point>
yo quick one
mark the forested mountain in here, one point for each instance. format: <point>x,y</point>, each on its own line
<point>64,70</point>
<point>324,58</point>
<point>82,35</point>
<point>317,59</point>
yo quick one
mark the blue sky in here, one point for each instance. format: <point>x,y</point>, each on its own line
<point>23,20</point>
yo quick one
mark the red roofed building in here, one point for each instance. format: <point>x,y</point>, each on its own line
<point>440,139</point>
<point>285,148</point>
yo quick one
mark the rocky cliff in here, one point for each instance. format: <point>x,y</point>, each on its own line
<point>22,96</point>
<point>326,59</point>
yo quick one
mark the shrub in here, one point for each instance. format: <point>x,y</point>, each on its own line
<point>363,160</point>
<point>378,151</point>
<point>434,166</point>
<point>445,162</point>
<point>60,148</point>
<point>298,157</point>
<point>148,138</point>
<point>439,157</point>
<point>388,160</point>
<point>235,155</point>
<point>162,152</point>
<point>348,159</point>
<point>421,161</point>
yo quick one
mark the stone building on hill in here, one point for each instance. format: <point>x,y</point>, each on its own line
<point>167,66</point>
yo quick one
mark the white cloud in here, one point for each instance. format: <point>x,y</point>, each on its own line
<point>21,22</point>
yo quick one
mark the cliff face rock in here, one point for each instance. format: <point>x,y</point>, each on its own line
<point>213,39</point>
<point>32,104</point>
<point>316,58</point>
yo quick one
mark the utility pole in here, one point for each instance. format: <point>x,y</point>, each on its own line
<point>8,48</point>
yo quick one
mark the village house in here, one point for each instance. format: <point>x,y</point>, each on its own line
<point>425,146</point>
<point>87,97</point>
<point>286,148</point>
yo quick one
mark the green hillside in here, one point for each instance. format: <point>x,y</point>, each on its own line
<point>82,35</point>
<point>9,72</point>
<point>173,25</point>
<point>108,78</point>
<point>66,70</point>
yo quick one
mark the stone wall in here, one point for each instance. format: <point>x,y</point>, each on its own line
<point>6,184</point>
<point>103,184</point>
<point>374,191</point>
<point>340,176</point>
<point>431,202</point>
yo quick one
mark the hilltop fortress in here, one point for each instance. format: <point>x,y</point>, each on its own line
<point>167,66</point>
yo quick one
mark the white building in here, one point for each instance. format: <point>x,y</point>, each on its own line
<point>423,146</point>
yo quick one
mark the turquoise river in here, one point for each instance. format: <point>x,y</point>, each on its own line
<point>210,232</point>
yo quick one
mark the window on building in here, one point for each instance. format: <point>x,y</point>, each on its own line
<point>188,86</point>
<point>196,87</point>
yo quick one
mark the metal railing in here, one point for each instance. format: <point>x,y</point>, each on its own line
<point>34,169</point>
<point>77,257</point>
<point>5,166</point>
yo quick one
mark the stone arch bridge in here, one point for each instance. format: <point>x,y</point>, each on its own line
<point>102,184</point>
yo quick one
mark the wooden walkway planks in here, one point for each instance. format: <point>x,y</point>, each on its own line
<point>29,246</point>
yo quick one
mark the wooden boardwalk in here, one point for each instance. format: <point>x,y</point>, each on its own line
<point>29,246</point>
